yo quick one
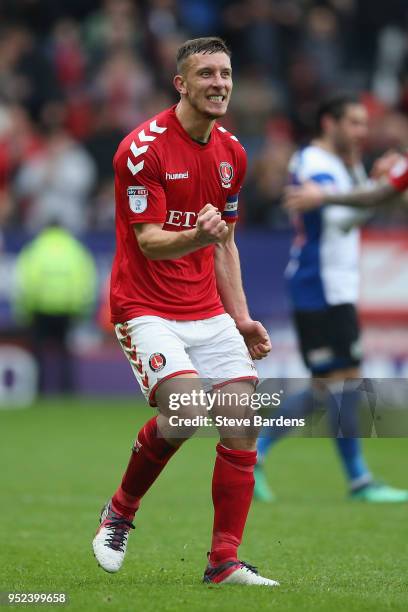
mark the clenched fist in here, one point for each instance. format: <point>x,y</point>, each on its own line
<point>210,227</point>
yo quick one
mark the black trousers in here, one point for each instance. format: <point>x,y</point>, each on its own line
<point>49,339</point>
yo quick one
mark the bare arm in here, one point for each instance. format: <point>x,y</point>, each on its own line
<point>367,196</point>
<point>156,243</point>
<point>311,195</point>
<point>228,274</point>
<point>229,283</point>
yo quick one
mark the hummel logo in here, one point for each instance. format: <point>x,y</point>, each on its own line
<point>176,176</point>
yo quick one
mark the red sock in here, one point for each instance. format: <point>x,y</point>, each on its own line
<point>149,456</point>
<point>232,489</point>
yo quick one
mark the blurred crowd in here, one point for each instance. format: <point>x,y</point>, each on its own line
<point>77,75</point>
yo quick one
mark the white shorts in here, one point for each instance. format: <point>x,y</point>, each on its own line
<point>159,349</point>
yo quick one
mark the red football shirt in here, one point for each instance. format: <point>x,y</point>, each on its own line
<point>398,176</point>
<point>163,176</point>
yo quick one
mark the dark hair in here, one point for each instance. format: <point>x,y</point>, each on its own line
<point>335,107</point>
<point>208,44</point>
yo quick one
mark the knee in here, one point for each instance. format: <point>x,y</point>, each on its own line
<point>182,424</point>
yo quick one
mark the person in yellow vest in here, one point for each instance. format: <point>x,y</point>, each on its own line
<point>55,285</point>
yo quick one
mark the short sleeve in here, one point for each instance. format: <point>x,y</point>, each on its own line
<point>230,212</point>
<point>139,190</point>
<point>322,178</point>
<point>398,176</point>
<point>311,165</point>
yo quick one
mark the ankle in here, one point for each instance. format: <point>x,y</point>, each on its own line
<point>218,557</point>
<point>124,504</point>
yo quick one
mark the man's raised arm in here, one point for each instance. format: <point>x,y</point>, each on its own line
<point>311,195</point>
<point>387,190</point>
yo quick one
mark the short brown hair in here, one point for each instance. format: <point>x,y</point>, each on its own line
<point>208,44</point>
<point>335,106</point>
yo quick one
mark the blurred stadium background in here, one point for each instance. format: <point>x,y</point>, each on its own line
<point>76,76</point>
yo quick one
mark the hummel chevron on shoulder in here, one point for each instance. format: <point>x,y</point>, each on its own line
<point>134,168</point>
<point>143,137</point>
<point>156,128</point>
<point>223,130</point>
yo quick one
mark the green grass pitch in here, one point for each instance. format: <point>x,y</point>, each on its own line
<point>60,460</point>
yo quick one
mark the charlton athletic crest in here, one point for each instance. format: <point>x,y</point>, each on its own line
<point>137,199</point>
<point>157,361</point>
<point>226,174</point>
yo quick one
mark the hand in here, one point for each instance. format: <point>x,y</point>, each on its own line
<point>383,164</point>
<point>301,199</point>
<point>210,227</point>
<point>256,338</point>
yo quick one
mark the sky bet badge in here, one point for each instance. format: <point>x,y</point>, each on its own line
<point>137,199</point>
<point>226,174</point>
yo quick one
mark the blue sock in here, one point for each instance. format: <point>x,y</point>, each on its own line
<point>295,406</point>
<point>344,419</point>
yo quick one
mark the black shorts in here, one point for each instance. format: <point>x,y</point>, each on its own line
<point>329,339</point>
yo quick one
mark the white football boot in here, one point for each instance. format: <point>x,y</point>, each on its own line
<point>236,572</point>
<point>110,542</point>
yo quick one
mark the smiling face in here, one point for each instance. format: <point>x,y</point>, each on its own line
<point>205,83</point>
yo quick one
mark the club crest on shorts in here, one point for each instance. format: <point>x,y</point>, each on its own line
<point>157,361</point>
<point>226,173</point>
<point>137,198</point>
